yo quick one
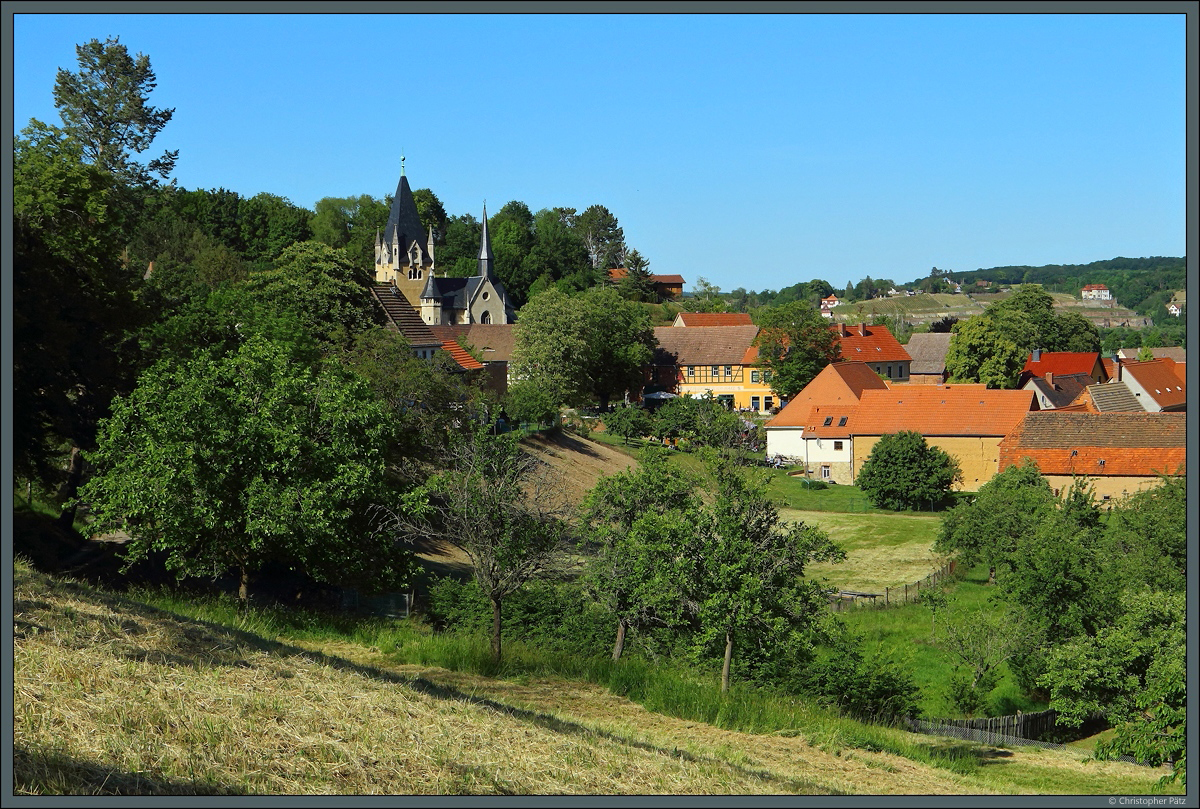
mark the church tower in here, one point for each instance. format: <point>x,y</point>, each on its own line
<point>404,251</point>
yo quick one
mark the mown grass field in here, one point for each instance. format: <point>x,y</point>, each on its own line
<point>138,694</point>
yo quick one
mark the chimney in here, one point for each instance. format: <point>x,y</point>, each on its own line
<point>1116,358</point>
<point>1037,355</point>
<point>862,329</point>
<point>842,330</point>
<point>1050,379</point>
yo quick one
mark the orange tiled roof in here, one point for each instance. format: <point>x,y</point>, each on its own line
<point>617,273</point>
<point>1129,444</point>
<point>840,420</point>
<point>839,383</point>
<point>944,410</point>
<point>1061,363</point>
<point>1158,379</point>
<point>461,356</point>
<point>878,345</point>
<point>714,319</point>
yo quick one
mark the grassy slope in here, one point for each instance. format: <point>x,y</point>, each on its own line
<point>112,696</point>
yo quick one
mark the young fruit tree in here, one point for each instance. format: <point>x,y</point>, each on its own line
<point>253,457</point>
<point>750,576</point>
<point>501,507</point>
<point>643,524</point>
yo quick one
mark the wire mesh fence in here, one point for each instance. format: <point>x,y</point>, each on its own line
<point>841,600</point>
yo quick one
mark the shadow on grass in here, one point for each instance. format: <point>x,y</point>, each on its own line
<point>51,773</point>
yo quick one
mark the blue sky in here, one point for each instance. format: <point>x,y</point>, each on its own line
<point>755,151</point>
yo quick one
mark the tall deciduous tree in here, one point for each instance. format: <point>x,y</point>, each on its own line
<point>601,235</point>
<point>751,572</point>
<point>904,472</point>
<point>73,303</point>
<point>321,287</point>
<point>794,343</point>
<point>252,457</point>
<point>590,346</point>
<point>104,107</point>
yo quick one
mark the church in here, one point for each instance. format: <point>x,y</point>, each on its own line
<point>404,260</point>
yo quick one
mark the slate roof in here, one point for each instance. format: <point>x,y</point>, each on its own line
<point>928,352</point>
<point>1130,444</point>
<point>712,319</point>
<point>1062,362</point>
<point>1158,379</point>
<point>703,345</point>
<point>942,410</point>
<point>1062,390</point>
<point>404,217</point>
<point>1110,397</point>
<point>878,345</point>
<point>454,293</point>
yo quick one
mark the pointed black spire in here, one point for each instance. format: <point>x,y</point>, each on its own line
<point>404,218</point>
<point>485,249</point>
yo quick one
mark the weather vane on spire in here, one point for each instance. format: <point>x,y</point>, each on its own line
<point>401,161</point>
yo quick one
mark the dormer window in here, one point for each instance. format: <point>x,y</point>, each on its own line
<point>842,421</point>
<point>828,421</point>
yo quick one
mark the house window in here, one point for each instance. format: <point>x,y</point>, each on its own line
<point>754,403</point>
<point>691,370</point>
<point>889,372</point>
<point>728,370</point>
<point>716,370</point>
<point>754,376</point>
<point>842,421</point>
<point>768,402</point>
<point>837,446</point>
<point>825,472</point>
<point>828,421</point>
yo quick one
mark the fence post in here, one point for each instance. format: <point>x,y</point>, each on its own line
<point>887,591</point>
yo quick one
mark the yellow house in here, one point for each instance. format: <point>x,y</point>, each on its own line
<point>720,360</point>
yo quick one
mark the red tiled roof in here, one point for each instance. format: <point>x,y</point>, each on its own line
<point>1061,363</point>
<point>942,410</point>
<point>1094,286</point>
<point>877,346</point>
<point>461,356</point>
<point>1158,379</point>
<point>617,273</point>
<point>714,319</point>
<point>1133,444</point>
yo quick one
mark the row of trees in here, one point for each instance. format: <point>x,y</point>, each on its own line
<point>1095,604</point>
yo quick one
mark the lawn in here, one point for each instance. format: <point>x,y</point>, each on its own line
<point>882,549</point>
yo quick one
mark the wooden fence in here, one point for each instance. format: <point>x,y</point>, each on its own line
<point>891,596</point>
<point>1017,728</point>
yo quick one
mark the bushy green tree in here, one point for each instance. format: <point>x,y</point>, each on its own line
<point>588,347</point>
<point>904,472</point>
<point>320,285</point>
<point>628,422</point>
<point>1146,535</point>
<point>252,457</point>
<point>750,580</point>
<point>644,525</point>
<point>1006,510</point>
<point>794,344</point>
<point>1133,672</point>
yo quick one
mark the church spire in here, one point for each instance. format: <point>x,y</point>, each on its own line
<point>485,249</point>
